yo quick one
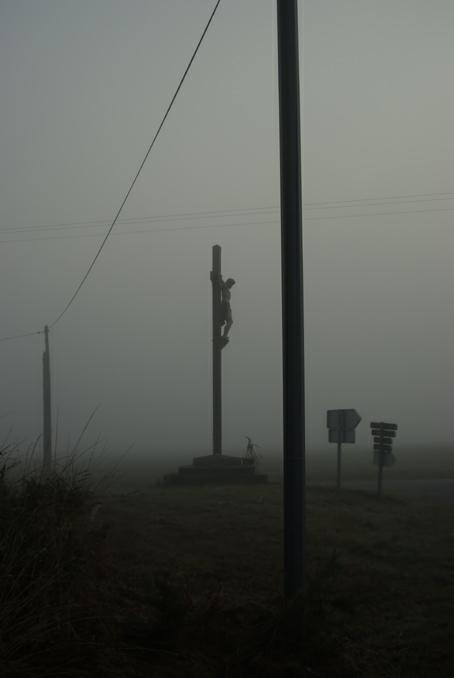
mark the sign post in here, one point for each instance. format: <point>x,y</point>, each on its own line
<point>47,423</point>
<point>341,425</point>
<point>383,434</point>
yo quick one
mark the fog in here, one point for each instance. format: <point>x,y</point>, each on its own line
<point>84,87</point>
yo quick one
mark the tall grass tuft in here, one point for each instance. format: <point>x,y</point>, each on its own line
<point>53,603</point>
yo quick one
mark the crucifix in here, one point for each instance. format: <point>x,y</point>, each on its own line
<point>222,322</point>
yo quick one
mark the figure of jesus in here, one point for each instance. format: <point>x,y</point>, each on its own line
<point>226,310</point>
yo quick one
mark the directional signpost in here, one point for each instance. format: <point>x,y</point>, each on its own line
<point>341,425</point>
<point>383,434</point>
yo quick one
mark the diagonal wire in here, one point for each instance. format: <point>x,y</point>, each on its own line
<point>90,268</point>
<point>20,336</point>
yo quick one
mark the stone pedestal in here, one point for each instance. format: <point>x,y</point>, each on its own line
<point>215,469</point>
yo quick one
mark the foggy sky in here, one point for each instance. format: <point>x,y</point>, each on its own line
<point>84,86</point>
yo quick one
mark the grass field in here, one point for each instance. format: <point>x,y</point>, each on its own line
<point>380,598</point>
<point>169,582</point>
<point>140,470</point>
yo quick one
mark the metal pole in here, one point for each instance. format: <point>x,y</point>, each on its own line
<point>339,452</point>
<point>292,297</point>
<point>47,421</point>
<point>380,476</point>
<point>217,356</point>
<point>380,464</point>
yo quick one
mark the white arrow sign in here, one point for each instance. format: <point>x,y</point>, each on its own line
<point>341,424</point>
<point>342,420</point>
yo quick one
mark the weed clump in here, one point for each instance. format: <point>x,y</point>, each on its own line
<point>52,608</point>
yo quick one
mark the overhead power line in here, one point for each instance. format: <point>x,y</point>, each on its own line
<point>145,231</point>
<point>178,216</point>
<point>183,78</point>
<point>233,213</point>
<point>21,336</point>
<point>377,214</point>
<point>151,231</point>
<point>410,197</point>
<point>352,203</point>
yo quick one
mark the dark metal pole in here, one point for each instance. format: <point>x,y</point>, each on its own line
<point>292,296</point>
<point>339,450</point>
<point>217,358</point>
<point>380,464</point>
<point>339,453</point>
<point>380,476</point>
<point>47,421</point>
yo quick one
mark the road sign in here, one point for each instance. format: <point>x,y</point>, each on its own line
<point>335,436</point>
<point>383,432</point>
<point>382,424</point>
<point>383,448</point>
<point>341,425</point>
<point>343,420</point>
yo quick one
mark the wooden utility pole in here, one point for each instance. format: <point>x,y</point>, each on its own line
<point>292,297</point>
<point>217,356</point>
<point>47,421</point>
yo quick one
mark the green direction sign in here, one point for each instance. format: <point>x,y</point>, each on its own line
<point>382,424</point>
<point>383,448</point>
<point>383,432</point>
<point>385,441</point>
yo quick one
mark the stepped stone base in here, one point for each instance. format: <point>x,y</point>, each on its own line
<point>215,468</point>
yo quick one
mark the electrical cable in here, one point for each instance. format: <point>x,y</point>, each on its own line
<point>329,217</point>
<point>20,336</point>
<point>352,203</point>
<point>179,216</point>
<point>379,214</point>
<point>409,197</point>
<point>147,231</point>
<point>101,247</point>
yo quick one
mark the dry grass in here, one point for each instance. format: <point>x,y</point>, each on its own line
<point>53,611</point>
<point>187,582</point>
<point>380,597</point>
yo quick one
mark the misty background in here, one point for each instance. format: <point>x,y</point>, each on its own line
<point>84,86</point>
